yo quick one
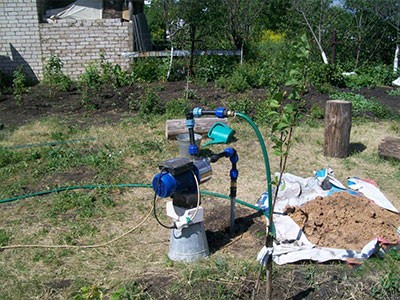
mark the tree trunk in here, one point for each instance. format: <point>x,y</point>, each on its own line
<point>396,58</point>
<point>337,128</point>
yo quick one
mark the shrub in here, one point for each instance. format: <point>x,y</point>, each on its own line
<point>113,74</point>
<point>371,76</point>
<point>54,76</point>
<point>322,75</point>
<point>150,69</point>
<point>19,84</point>
<point>150,103</point>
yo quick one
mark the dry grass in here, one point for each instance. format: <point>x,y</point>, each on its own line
<point>141,256</point>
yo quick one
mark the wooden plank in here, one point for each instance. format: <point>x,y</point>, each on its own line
<point>389,147</point>
<point>337,128</point>
<point>178,126</point>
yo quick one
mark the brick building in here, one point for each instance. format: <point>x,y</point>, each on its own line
<point>26,40</point>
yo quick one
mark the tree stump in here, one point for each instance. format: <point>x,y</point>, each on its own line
<point>337,128</point>
<point>389,147</point>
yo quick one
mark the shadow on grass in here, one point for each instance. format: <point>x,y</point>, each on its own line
<point>355,148</point>
<point>220,238</point>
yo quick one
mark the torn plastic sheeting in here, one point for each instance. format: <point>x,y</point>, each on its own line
<point>79,10</point>
<point>292,244</point>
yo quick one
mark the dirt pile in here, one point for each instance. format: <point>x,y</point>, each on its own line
<point>344,221</point>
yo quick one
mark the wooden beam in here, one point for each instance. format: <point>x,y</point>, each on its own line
<point>389,147</point>
<point>178,126</point>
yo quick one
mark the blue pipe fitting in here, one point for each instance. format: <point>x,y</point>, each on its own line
<point>234,174</point>
<point>193,149</point>
<point>197,112</point>
<point>232,154</point>
<point>220,112</point>
<point>189,123</point>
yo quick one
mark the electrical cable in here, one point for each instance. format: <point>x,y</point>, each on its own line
<point>155,200</point>
<point>80,246</point>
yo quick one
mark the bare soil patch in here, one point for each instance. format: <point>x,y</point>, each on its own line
<point>345,221</point>
<point>112,104</point>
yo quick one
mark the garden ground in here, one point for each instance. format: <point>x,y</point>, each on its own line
<point>126,149</point>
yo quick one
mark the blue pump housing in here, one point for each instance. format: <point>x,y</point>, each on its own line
<point>167,185</point>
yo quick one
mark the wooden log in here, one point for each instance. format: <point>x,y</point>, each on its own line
<point>389,147</point>
<point>178,126</point>
<point>337,128</point>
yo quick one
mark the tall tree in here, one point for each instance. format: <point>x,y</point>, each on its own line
<point>317,15</point>
<point>242,19</point>
<point>389,11</point>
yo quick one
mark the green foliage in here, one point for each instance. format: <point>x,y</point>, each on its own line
<point>113,74</point>
<point>240,104</point>
<point>394,92</point>
<point>19,84</point>
<point>149,69</point>
<point>177,108</point>
<point>54,76</point>
<point>243,77</point>
<point>362,106</point>
<point>89,85</point>
<point>150,103</point>
<point>90,292</point>
<point>210,68</point>
<point>90,78</point>
<point>322,75</point>
<point>371,76</point>
<point>84,205</point>
<point>129,292</point>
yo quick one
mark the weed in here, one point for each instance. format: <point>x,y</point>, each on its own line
<point>132,291</point>
<point>19,84</point>
<point>90,292</point>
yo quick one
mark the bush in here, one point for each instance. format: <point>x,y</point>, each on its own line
<point>114,75</point>
<point>150,104</point>
<point>19,84</point>
<point>150,69</point>
<point>322,75</point>
<point>209,68</point>
<point>371,76</point>
<point>54,76</point>
<point>245,76</point>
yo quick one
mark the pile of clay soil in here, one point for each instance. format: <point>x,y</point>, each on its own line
<point>344,221</point>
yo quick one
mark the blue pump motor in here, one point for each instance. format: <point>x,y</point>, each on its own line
<point>177,180</point>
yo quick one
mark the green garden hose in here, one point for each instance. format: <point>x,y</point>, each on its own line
<point>53,143</point>
<point>267,168</point>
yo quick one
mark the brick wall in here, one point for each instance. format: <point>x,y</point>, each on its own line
<point>19,37</point>
<point>25,41</point>
<point>80,42</point>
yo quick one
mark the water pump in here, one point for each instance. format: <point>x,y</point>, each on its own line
<point>180,179</point>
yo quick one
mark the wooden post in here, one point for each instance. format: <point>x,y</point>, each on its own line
<point>337,128</point>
